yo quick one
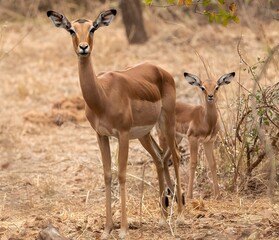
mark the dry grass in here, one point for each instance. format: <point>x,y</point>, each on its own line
<point>54,174</point>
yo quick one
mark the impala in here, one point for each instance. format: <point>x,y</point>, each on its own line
<point>199,123</point>
<point>125,105</point>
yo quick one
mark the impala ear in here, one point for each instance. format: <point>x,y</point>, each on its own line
<point>59,20</point>
<point>226,79</point>
<point>192,79</point>
<point>104,18</point>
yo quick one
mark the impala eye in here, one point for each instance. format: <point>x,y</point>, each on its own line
<point>72,32</point>
<point>202,88</point>
<point>216,88</point>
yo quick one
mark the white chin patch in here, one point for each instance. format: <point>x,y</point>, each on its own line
<point>83,52</point>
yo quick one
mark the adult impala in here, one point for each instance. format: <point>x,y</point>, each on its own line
<point>126,105</point>
<point>200,124</point>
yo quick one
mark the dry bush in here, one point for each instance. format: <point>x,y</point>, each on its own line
<point>252,144</point>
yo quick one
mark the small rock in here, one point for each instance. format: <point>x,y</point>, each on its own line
<point>50,233</point>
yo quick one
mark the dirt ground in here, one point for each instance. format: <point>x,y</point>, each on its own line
<point>50,165</point>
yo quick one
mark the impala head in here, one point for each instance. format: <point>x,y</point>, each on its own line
<point>208,87</point>
<point>82,30</point>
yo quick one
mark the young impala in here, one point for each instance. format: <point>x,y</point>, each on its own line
<point>200,125</point>
<point>126,105</point>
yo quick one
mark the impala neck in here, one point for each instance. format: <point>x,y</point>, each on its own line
<point>91,91</point>
<point>211,114</point>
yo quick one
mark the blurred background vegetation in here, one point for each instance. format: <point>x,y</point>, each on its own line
<point>264,10</point>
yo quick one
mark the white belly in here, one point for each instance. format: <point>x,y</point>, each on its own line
<point>140,131</point>
<point>135,132</point>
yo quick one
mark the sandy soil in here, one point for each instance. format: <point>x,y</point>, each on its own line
<point>50,166</point>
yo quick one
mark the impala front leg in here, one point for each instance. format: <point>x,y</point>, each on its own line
<point>209,152</point>
<point>193,143</point>
<point>103,142</point>
<point>122,167</point>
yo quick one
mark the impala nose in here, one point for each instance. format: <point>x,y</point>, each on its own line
<point>210,97</point>
<point>83,48</point>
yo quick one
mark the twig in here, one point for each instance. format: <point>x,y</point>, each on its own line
<point>87,197</point>
<point>171,210</point>
<point>15,45</point>
<point>244,61</point>
<point>256,163</point>
<point>161,6</point>
<point>138,178</point>
<point>203,62</point>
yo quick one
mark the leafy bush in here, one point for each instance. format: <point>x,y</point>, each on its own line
<point>252,149</point>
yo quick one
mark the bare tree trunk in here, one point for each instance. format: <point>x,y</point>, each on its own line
<point>133,21</point>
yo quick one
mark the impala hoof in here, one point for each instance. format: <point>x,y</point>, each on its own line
<point>163,223</point>
<point>180,220</point>
<point>105,235</point>
<point>122,234</point>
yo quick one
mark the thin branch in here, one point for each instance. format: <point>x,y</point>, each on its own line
<point>244,61</point>
<point>260,158</point>
<point>5,54</point>
<point>161,6</point>
<point>203,62</point>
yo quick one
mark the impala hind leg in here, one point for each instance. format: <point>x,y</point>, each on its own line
<point>209,153</point>
<point>103,142</point>
<point>154,150</point>
<point>167,126</point>
<point>166,158</point>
